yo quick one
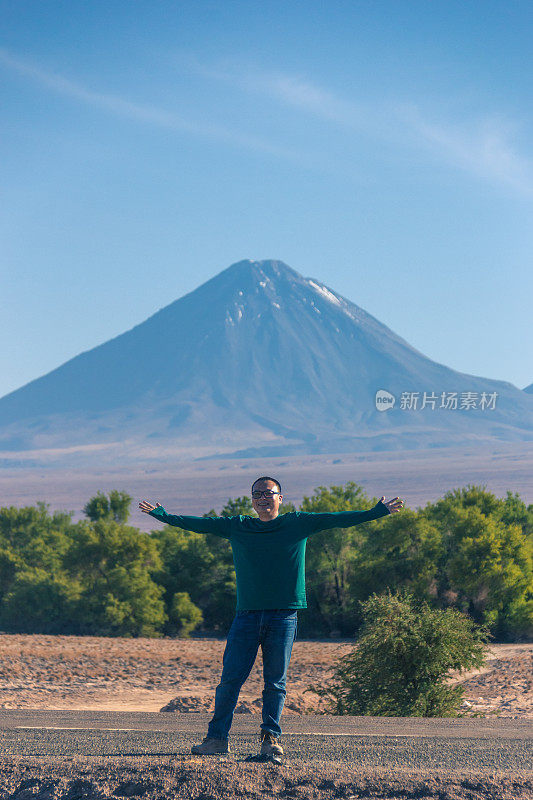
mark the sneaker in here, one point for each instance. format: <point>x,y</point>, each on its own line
<point>270,745</point>
<point>210,746</point>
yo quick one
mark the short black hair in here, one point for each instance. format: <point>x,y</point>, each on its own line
<point>267,478</point>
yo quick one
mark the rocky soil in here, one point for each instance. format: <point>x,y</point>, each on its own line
<point>93,673</point>
<point>204,779</point>
<point>98,673</point>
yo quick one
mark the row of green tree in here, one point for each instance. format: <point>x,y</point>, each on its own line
<point>470,551</point>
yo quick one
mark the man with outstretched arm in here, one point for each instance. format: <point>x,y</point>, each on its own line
<point>269,558</point>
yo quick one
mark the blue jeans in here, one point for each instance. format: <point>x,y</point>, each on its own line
<point>275,630</point>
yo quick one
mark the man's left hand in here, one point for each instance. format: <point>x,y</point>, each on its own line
<point>394,505</point>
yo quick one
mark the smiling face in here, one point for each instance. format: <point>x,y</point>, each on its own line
<point>266,507</point>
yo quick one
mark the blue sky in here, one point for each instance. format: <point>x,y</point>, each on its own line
<point>384,148</point>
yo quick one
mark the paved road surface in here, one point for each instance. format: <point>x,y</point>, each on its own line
<point>481,745</point>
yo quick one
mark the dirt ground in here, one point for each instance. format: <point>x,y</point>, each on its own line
<point>197,779</point>
<point>115,674</point>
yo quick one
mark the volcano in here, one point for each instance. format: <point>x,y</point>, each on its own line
<point>258,359</point>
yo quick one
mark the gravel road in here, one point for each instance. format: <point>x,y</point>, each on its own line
<point>80,755</point>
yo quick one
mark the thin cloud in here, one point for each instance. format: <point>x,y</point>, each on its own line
<point>138,111</point>
<point>484,149</point>
<point>294,91</point>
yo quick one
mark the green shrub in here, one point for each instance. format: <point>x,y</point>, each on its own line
<point>403,656</point>
<point>184,615</point>
<point>114,564</point>
<point>115,506</point>
<point>38,602</point>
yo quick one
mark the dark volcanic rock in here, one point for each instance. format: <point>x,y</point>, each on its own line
<point>226,780</point>
<point>132,789</point>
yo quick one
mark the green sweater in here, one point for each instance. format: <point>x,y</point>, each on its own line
<point>269,557</point>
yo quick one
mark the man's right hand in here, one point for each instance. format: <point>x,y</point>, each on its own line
<point>145,506</point>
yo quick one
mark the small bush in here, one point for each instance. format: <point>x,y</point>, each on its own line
<point>403,656</point>
<point>184,615</point>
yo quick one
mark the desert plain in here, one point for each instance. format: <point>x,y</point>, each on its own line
<point>194,486</point>
<point>146,674</point>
